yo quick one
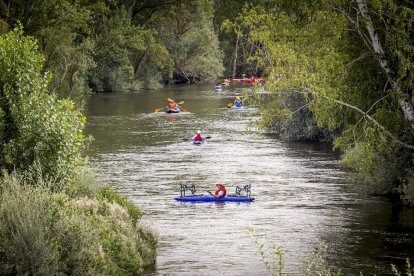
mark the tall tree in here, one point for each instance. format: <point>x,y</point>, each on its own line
<point>36,129</point>
<point>353,63</point>
<point>187,31</point>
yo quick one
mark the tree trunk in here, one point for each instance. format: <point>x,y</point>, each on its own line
<point>406,105</point>
<point>236,48</point>
<point>138,63</point>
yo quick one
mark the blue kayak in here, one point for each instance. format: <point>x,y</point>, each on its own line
<point>202,198</point>
<point>175,110</point>
<point>198,142</point>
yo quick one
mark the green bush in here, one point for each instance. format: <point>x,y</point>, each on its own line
<point>109,195</point>
<point>36,129</point>
<point>52,233</point>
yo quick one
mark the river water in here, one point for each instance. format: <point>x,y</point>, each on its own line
<point>302,196</point>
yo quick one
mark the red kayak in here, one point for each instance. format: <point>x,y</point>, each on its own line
<point>251,80</point>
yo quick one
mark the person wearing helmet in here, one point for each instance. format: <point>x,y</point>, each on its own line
<point>198,137</point>
<point>238,103</point>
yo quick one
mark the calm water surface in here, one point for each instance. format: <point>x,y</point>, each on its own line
<point>301,193</point>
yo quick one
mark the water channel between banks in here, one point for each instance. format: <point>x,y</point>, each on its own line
<point>302,198</point>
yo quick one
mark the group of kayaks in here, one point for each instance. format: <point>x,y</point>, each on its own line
<point>174,107</point>
<point>218,87</point>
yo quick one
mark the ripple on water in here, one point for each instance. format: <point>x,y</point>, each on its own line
<point>299,189</point>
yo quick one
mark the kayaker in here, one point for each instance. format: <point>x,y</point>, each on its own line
<point>218,86</point>
<point>198,137</point>
<point>237,102</point>
<point>172,105</point>
<point>221,191</point>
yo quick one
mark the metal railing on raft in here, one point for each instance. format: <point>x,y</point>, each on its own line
<point>240,191</point>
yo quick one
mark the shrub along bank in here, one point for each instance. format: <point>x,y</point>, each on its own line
<point>54,218</point>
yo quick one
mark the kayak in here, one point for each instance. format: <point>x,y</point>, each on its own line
<point>202,198</point>
<point>251,80</point>
<point>198,142</point>
<point>217,89</point>
<point>236,107</point>
<point>175,110</point>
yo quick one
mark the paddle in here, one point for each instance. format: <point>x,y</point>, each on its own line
<point>205,138</point>
<point>229,105</point>
<point>168,99</point>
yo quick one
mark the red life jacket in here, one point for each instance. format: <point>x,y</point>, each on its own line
<point>198,137</point>
<point>221,188</point>
<point>172,105</point>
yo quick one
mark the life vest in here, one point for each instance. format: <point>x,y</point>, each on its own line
<point>172,105</point>
<point>221,188</point>
<point>238,103</point>
<point>198,138</point>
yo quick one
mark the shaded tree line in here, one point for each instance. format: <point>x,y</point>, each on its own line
<point>350,63</point>
<point>117,45</point>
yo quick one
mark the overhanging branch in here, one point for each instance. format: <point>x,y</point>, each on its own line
<point>372,120</point>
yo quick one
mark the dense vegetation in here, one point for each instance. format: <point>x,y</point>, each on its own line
<point>339,70</point>
<point>110,45</point>
<point>53,218</point>
<point>350,62</point>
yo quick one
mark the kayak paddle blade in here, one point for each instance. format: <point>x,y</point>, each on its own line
<point>157,110</point>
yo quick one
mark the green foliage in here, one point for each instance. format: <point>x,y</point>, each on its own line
<point>123,50</point>
<point>287,115</point>
<point>68,50</point>
<point>36,129</point>
<point>314,263</point>
<point>409,271</point>
<point>107,194</point>
<point>62,29</point>
<point>192,41</point>
<point>274,262</point>
<point>312,48</point>
<point>50,233</point>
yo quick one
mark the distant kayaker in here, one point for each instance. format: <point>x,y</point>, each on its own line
<point>198,137</point>
<point>221,191</point>
<point>172,105</point>
<point>217,87</point>
<point>238,102</point>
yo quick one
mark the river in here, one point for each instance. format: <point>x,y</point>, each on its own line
<point>302,197</point>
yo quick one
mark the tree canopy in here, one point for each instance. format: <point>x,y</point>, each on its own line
<point>117,45</point>
<point>352,63</point>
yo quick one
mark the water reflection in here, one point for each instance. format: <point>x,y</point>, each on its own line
<point>300,191</point>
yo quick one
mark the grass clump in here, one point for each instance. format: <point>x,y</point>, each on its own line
<point>54,233</point>
<point>313,264</point>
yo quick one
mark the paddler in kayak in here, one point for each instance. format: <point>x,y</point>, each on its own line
<point>217,87</point>
<point>172,105</point>
<point>237,103</point>
<point>197,137</point>
<point>220,192</point>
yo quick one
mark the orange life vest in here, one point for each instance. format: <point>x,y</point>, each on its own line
<point>172,105</point>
